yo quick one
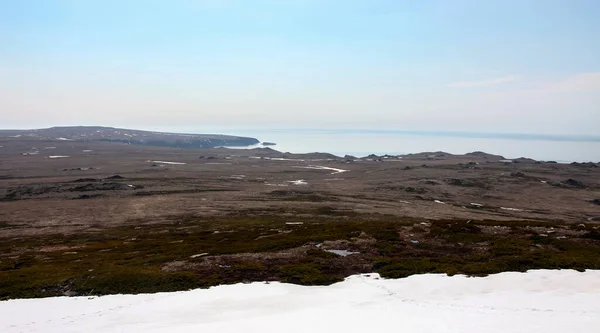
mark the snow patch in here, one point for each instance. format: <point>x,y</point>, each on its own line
<point>283,159</point>
<point>167,162</point>
<point>512,209</point>
<point>342,253</point>
<point>298,182</point>
<point>320,167</point>
<point>58,156</point>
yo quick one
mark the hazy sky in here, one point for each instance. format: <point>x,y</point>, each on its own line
<point>478,65</point>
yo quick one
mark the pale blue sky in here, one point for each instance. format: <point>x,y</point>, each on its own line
<point>500,66</point>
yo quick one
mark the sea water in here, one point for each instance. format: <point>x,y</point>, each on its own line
<point>560,148</point>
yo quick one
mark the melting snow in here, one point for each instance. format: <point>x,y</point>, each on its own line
<point>298,182</point>
<point>537,301</point>
<point>283,159</point>
<point>319,167</point>
<point>512,209</point>
<point>167,162</point>
<point>58,156</point>
<point>342,253</point>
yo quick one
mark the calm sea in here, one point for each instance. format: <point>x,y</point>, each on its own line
<point>364,142</point>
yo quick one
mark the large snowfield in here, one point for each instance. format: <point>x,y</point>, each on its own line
<point>536,301</point>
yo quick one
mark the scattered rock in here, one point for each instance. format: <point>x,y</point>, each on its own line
<point>585,165</point>
<point>415,190</point>
<point>574,183</point>
<point>90,196</point>
<point>467,183</point>
<point>100,187</point>
<point>86,180</point>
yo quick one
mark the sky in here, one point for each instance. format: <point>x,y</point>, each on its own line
<point>515,66</point>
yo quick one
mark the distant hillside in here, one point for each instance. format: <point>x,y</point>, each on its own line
<point>134,137</point>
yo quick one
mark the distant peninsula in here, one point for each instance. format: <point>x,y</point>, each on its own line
<point>128,136</point>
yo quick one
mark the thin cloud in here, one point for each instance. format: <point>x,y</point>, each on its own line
<point>578,83</point>
<point>484,83</point>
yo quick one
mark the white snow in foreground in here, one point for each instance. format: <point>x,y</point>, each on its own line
<point>167,162</point>
<point>537,301</point>
<point>58,156</point>
<point>319,167</point>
